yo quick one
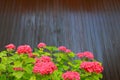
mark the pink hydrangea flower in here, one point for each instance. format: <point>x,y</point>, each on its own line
<point>31,55</point>
<point>62,48</point>
<point>44,68</point>
<point>10,47</point>
<point>91,67</point>
<point>41,45</point>
<point>80,55</point>
<point>18,69</point>
<point>70,75</point>
<point>24,49</point>
<point>86,54</point>
<point>68,51</point>
<point>38,60</point>
<point>43,59</point>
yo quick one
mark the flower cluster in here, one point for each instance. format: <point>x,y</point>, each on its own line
<point>10,47</point>
<point>18,69</point>
<point>41,63</point>
<point>41,45</point>
<point>64,49</point>
<point>86,54</point>
<point>70,75</point>
<point>91,67</point>
<point>44,66</point>
<point>24,49</point>
<point>43,59</point>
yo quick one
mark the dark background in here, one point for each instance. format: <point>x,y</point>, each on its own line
<point>81,25</point>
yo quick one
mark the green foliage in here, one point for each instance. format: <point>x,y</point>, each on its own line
<point>2,67</point>
<point>64,62</point>
<point>18,75</point>
<point>33,77</point>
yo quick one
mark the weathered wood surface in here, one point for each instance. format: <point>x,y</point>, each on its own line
<point>80,25</point>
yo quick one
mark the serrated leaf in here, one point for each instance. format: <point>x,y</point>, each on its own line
<point>29,60</point>
<point>2,67</point>
<point>95,78</point>
<point>77,61</point>
<point>46,54</point>
<point>28,69</point>
<point>65,67</point>
<point>15,56</point>
<point>2,54</point>
<point>56,55</point>
<point>60,68</point>
<point>100,76</point>
<point>18,75</point>
<point>33,77</point>
<point>24,56</point>
<point>3,77</point>
<point>64,57</point>
<point>70,63</point>
<point>35,53</point>
<point>17,64</point>
<point>71,54</point>
<point>58,59</point>
<point>4,60</point>
<point>10,68</point>
<point>51,48</point>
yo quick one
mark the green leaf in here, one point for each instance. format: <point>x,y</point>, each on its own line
<point>35,53</point>
<point>5,52</point>
<point>51,48</point>
<point>36,49</point>
<point>95,78</point>
<point>58,59</point>
<point>28,69</point>
<point>3,77</point>
<point>33,77</point>
<point>60,68</point>
<point>2,67</point>
<point>57,75</point>
<point>71,54</point>
<point>88,78</point>
<point>65,67</point>
<point>64,56</point>
<point>46,54</point>
<point>77,61</point>
<point>15,57</point>
<point>100,76</point>
<point>56,55</point>
<point>4,60</point>
<point>18,75</point>
<point>26,76</point>
<point>9,61</point>
<point>24,56</point>
<point>29,60</point>
<point>17,64</point>
<point>40,51</point>
<point>10,68</point>
<point>85,75</point>
<point>70,64</point>
<point>2,54</point>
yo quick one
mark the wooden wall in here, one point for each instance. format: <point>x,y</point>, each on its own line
<point>92,25</point>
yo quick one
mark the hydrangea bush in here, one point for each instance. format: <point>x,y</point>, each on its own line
<point>47,63</point>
